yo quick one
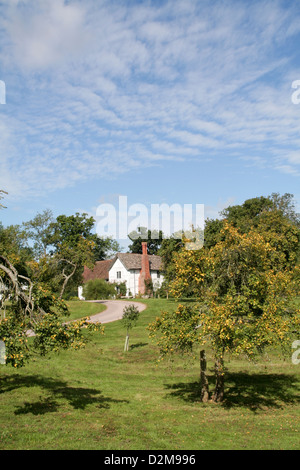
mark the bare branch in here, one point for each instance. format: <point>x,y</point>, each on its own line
<point>67,277</point>
<point>15,280</point>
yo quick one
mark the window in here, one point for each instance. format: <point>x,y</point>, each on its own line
<point>158,274</point>
<point>118,274</point>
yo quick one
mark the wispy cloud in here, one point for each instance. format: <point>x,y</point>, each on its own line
<point>95,89</point>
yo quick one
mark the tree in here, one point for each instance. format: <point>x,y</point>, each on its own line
<point>169,247</point>
<point>129,319</point>
<point>71,229</point>
<point>243,302</point>
<point>105,248</point>
<point>35,309</point>
<point>188,274</point>
<point>251,213</point>
<point>61,247</point>
<point>13,245</point>
<point>40,231</point>
<point>72,259</point>
<point>212,231</point>
<point>153,238</point>
<point>73,243</point>
<point>76,246</point>
<point>32,307</point>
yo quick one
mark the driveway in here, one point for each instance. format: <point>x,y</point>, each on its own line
<point>114,310</point>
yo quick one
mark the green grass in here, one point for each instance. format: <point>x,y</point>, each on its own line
<point>78,309</point>
<point>103,398</point>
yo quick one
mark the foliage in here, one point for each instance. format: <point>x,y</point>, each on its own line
<point>129,319</point>
<point>276,213</point>
<point>122,289</point>
<point>212,231</point>
<point>13,245</point>
<point>105,248</point>
<point>169,247</point>
<point>38,313</point>
<point>244,288</point>
<point>28,305</point>
<point>149,288</point>
<point>153,238</point>
<point>189,271</point>
<point>176,330</point>
<point>76,246</point>
<point>98,289</point>
<point>40,231</point>
<point>130,316</point>
<point>69,230</point>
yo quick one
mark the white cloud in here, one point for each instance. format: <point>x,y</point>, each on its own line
<point>110,89</point>
<point>45,33</point>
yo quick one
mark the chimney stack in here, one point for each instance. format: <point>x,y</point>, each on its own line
<point>145,270</point>
<point>144,248</point>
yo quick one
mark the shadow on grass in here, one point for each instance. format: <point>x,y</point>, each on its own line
<point>137,345</point>
<point>77,397</point>
<point>253,391</point>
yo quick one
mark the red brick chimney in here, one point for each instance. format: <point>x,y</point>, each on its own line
<point>145,270</point>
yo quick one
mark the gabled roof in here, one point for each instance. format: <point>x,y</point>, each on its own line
<point>100,270</point>
<point>134,261</point>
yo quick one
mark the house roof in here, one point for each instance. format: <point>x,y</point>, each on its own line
<point>100,270</point>
<point>134,261</point>
<point>129,260</point>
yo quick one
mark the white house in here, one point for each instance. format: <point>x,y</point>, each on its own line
<point>131,268</point>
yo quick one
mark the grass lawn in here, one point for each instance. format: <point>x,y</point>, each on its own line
<point>103,398</point>
<point>78,309</point>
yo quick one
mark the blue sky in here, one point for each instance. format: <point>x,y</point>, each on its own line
<point>186,102</point>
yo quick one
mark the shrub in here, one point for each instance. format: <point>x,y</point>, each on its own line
<point>98,289</point>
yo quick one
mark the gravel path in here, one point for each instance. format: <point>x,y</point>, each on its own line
<point>114,310</point>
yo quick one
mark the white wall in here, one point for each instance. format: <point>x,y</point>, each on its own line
<point>157,280</point>
<point>131,277</point>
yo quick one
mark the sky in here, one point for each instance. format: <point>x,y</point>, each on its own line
<point>174,102</point>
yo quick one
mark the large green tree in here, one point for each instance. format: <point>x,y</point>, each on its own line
<point>244,302</point>
<point>260,213</point>
<point>39,231</point>
<point>62,247</point>
<point>244,279</point>
<point>69,230</point>
<point>168,249</point>
<point>28,307</point>
<point>153,238</point>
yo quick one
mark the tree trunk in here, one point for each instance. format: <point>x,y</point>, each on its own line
<point>126,347</point>
<point>218,394</point>
<point>66,277</point>
<point>204,389</point>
